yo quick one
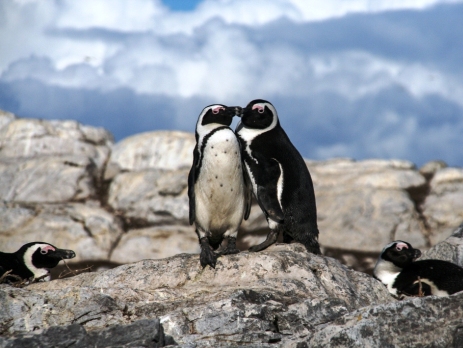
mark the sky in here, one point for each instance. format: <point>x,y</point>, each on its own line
<point>349,78</point>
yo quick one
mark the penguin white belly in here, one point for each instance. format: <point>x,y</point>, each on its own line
<point>219,189</point>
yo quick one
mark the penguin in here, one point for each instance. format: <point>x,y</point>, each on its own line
<point>397,269</point>
<point>219,197</point>
<point>33,260</point>
<point>280,180</point>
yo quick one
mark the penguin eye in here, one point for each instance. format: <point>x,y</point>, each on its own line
<point>43,252</point>
<point>259,108</point>
<point>401,246</point>
<point>217,110</point>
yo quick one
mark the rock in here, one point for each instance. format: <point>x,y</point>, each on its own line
<point>161,149</point>
<point>141,333</point>
<point>31,138</point>
<point>451,249</point>
<point>366,201</point>
<point>87,229</point>
<point>430,168</point>
<point>415,322</point>
<point>280,295</point>
<point>443,207</point>
<point>151,197</point>
<point>155,243</point>
<point>35,180</point>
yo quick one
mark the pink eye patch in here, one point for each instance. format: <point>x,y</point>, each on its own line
<point>217,109</point>
<point>47,248</point>
<point>259,108</point>
<point>401,246</point>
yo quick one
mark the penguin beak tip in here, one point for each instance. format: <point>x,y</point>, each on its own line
<point>237,110</point>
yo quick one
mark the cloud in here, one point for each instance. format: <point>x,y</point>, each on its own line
<point>349,78</point>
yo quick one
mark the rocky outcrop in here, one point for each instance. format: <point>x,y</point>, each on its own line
<point>280,295</point>
<point>126,203</point>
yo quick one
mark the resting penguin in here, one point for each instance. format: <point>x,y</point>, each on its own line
<point>218,196</point>
<point>397,269</point>
<point>33,260</point>
<point>279,176</point>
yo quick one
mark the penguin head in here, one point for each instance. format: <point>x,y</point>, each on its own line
<point>39,257</point>
<point>400,253</point>
<point>259,114</point>
<point>214,116</point>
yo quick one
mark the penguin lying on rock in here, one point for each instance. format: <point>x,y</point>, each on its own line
<point>397,269</point>
<point>218,195</point>
<point>33,260</point>
<point>279,176</point>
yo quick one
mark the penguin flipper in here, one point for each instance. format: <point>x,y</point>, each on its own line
<point>267,195</point>
<point>247,194</point>
<point>192,175</point>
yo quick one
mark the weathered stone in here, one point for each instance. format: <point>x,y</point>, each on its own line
<point>279,295</point>
<point>47,179</point>
<point>443,207</point>
<point>85,228</point>
<point>430,168</point>
<point>151,197</point>
<point>366,200</point>
<point>414,322</point>
<point>141,333</point>
<point>161,150</point>
<point>450,249</point>
<point>155,243</point>
<point>31,138</point>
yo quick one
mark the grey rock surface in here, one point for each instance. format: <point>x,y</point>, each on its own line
<point>450,249</point>
<point>280,295</point>
<point>142,333</point>
<point>415,322</point>
<point>443,207</point>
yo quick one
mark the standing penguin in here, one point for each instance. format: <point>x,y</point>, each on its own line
<point>33,260</point>
<point>280,179</point>
<point>219,198</point>
<point>397,269</point>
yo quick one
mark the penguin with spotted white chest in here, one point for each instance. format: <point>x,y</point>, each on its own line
<point>33,260</point>
<point>280,180</point>
<point>218,195</point>
<point>397,269</point>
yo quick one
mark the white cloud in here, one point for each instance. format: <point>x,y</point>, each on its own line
<point>222,51</point>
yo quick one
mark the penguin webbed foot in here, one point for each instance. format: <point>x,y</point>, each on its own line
<point>271,239</point>
<point>230,248</point>
<point>207,256</point>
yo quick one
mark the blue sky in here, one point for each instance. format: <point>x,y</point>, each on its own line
<point>349,78</point>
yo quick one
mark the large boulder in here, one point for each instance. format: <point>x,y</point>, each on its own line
<point>280,295</point>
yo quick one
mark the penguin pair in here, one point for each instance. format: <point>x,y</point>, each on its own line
<point>398,269</point>
<point>260,159</point>
<point>33,261</point>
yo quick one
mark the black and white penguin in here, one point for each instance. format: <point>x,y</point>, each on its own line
<point>280,179</point>
<point>397,269</point>
<point>33,260</point>
<point>219,198</point>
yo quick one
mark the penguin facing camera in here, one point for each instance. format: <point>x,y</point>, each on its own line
<point>279,176</point>
<point>219,198</point>
<point>33,261</point>
<point>397,269</point>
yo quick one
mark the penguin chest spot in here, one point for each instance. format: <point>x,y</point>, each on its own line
<point>219,190</point>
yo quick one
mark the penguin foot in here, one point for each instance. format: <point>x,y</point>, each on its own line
<point>207,256</point>
<point>231,247</point>
<point>271,239</point>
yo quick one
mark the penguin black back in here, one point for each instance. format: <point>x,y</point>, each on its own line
<point>281,181</point>
<point>33,260</point>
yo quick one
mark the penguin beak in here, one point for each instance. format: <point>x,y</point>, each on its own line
<point>238,110</point>
<point>416,254</point>
<point>64,254</point>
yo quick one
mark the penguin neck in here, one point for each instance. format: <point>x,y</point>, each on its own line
<point>386,271</point>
